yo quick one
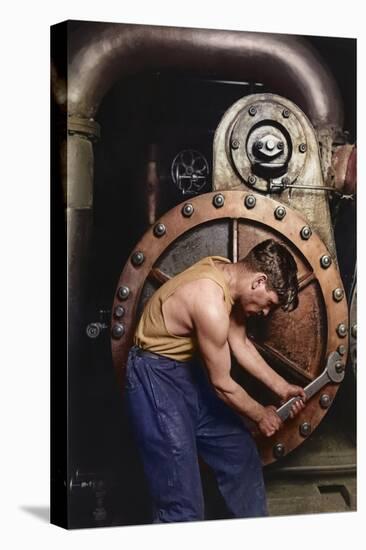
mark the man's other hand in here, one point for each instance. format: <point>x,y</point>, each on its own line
<point>289,391</point>
<point>270,422</point>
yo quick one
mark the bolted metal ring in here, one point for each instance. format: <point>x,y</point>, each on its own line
<point>250,201</point>
<point>159,230</point>
<point>305,429</point>
<point>252,180</point>
<point>187,210</point>
<point>119,312</point>
<point>218,200</point>
<point>118,331</point>
<point>280,212</point>
<point>342,330</point>
<point>338,294</point>
<point>285,113</point>
<point>278,450</point>
<point>325,401</point>
<point>325,261</point>
<point>305,233</point>
<point>252,110</point>
<point>302,147</point>
<point>137,258</point>
<point>339,367</point>
<point>235,144</point>
<point>123,292</point>
<point>341,349</point>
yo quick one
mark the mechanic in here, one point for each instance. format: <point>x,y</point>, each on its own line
<point>181,399</point>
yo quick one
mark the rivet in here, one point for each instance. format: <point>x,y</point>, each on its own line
<point>285,113</point>
<point>305,233</point>
<point>118,330</point>
<point>218,200</point>
<point>250,201</point>
<point>280,145</point>
<point>93,330</point>
<point>342,330</point>
<point>302,147</point>
<point>338,294</point>
<point>235,144</point>
<point>305,429</point>
<point>354,331</point>
<point>159,230</point>
<point>278,450</point>
<point>280,212</point>
<point>341,349</point>
<point>258,145</point>
<point>137,258</point>
<point>325,261</point>
<point>252,180</point>
<point>187,210</point>
<point>339,367</point>
<point>123,292</point>
<point>119,312</point>
<point>325,401</point>
<point>252,110</point>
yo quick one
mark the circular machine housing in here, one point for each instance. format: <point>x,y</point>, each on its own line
<point>296,344</point>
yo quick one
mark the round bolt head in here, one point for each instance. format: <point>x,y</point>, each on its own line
<point>137,258</point>
<point>119,312</point>
<point>325,261</point>
<point>302,147</point>
<point>252,110</point>
<point>278,450</point>
<point>285,113</point>
<point>280,146</point>
<point>123,292</point>
<point>118,331</point>
<point>270,144</point>
<point>280,212</point>
<point>235,144</point>
<point>305,233</point>
<point>338,294</point>
<point>342,330</point>
<point>93,330</point>
<point>339,367</point>
<point>159,230</point>
<point>305,429</point>
<point>252,180</point>
<point>341,349</point>
<point>325,401</point>
<point>218,200</point>
<point>250,201</point>
<point>187,210</point>
<point>258,145</point>
<point>354,331</point>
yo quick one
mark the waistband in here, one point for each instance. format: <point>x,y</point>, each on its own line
<point>150,354</point>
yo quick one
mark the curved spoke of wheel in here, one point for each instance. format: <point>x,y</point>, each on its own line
<point>306,279</point>
<point>289,365</point>
<point>158,276</point>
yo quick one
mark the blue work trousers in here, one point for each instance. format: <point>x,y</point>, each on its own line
<point>175,416</point>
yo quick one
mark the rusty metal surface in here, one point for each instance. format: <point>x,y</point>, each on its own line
<point>329,313</point>
<point>305,169</point>
<point>102,53</point>
<point>344,164</point>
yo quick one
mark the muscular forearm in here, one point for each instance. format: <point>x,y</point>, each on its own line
<point>249,358</point>
<point>238,399</point>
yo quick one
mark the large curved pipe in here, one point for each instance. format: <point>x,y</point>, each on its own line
<point>103,53</point>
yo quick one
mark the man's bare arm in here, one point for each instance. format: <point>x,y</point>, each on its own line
<point>212,327</point>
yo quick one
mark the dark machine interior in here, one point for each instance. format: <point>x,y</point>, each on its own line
<point>154,117</point>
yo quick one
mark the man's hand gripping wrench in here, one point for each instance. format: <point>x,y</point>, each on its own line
<point>333,372</point>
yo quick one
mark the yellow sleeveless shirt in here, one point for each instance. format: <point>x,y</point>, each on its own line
<point>151,333</point>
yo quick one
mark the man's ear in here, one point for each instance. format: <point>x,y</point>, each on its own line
<point>260,279</point>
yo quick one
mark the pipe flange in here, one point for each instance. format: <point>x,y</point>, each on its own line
<point>86,127</point>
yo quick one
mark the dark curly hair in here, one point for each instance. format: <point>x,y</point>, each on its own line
<point>273,259</point>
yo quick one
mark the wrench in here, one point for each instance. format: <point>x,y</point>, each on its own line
<point>333,372</point>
